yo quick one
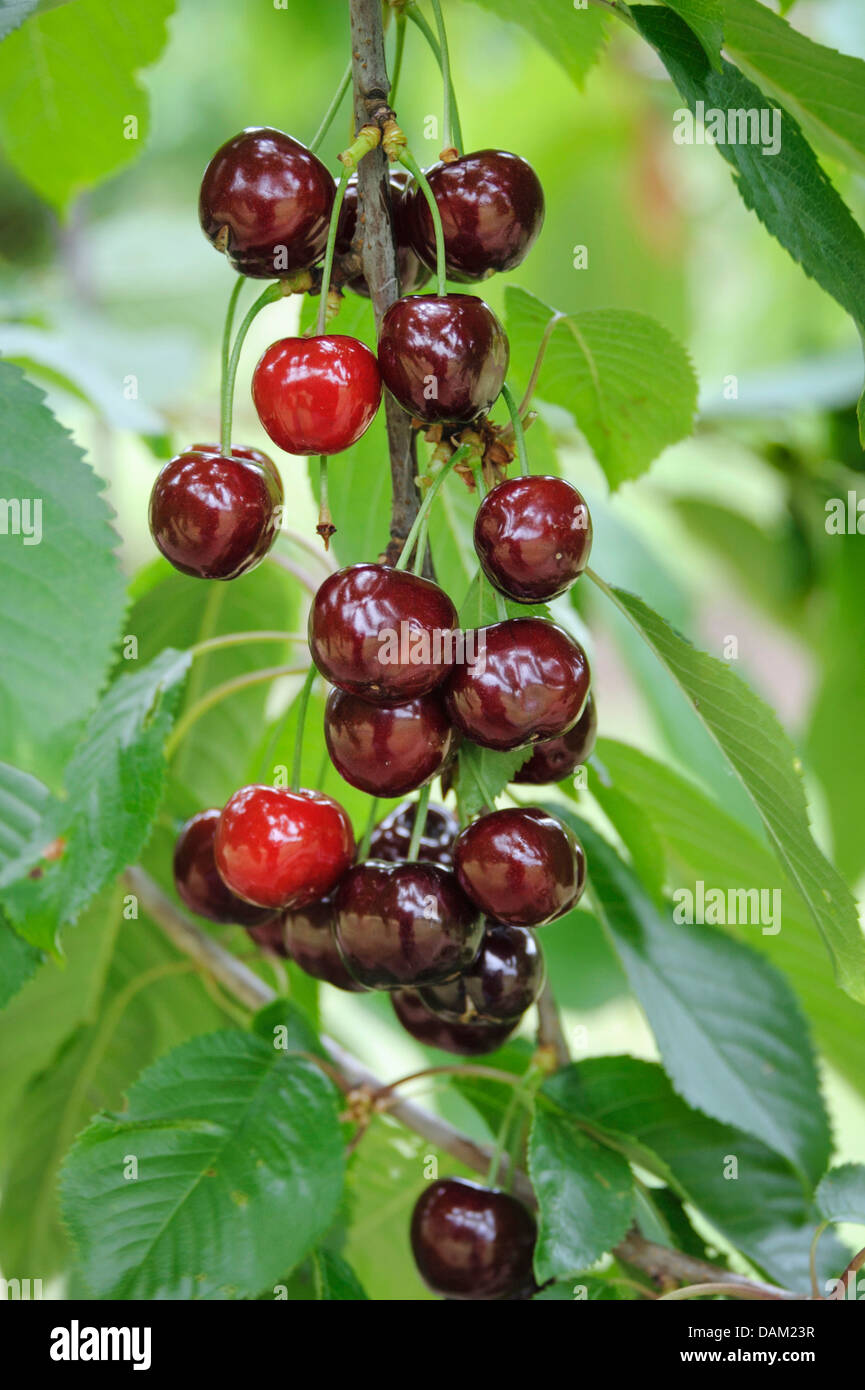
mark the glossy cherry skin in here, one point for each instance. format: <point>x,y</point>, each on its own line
<point>381,633</point>
<point>503,980</point>
<point>404,924</point>
<point>492,209</point>
<point>533,537</point>
<point>472,1242</point>
<point>557,758</point>
<point>270,937</point>
<point>246,451</point>
<point>472,1039</point>
<point>520,866</point>
<point>413,275</point>
<point>391,838</point>
<point>316,395</point>
<point>311,943</point>
<point>444,358</point>
<point>530,682</point>
<point>197,879</point>
<point>215,517</point>
<point>387,751</point>
<point>266,201</point>
<point>281,848</point>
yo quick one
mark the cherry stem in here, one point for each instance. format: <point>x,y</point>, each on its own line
<point>331,244</point>
<point>397,58</point>
<point>419,821</point>
<point>552,324</point>
<point>501,610</point>
<point>302,707</point>
<point>507,1078</point>
<point>309,582</point>
<point>330,113</point>
<point>423,511</point>
<point>363,849</point>
<point>219,693</point>
<point>519,434</point>
<point>238,639</point>
<point>418,19</point>
<point>225,426</point>
<point>743,1291</point>
<point>409,162</point>
<point>268,296</point>
<point>447,80</point>
<point>302,543</point>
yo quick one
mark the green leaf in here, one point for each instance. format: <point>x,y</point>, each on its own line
<point>585,1196</point>
<point>841,1194</point>
<point>823,89</point>
<point>69,89</point>
<point>588,1288</point>
<point>691,981</point>
<point>22,802</point>
<point>114,788</point>
<point>483,775</point>
<point>753,742</point>
<point>631,824</point>
<point>788,191</point>
<point>625,380</point>
<point>706,19</point>
<point>239,1172</point>
<point>13,13</point>
<point>286,1027</point>
<point>573,36</point>
<point>50,492</point>
<point>337,1281</point>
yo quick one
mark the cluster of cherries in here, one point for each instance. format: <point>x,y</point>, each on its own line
<point>448,931</point>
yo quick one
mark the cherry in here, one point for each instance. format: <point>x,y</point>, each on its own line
<point>413,275</point>
<point>381,633</point>
<point>529,682</point>
<point>387,751</point>
<point>492,208</point>
<point>246,451</point>
<point>472,1242</point>
<point>266,201</point>
<point>520,866</point>
<point>215,517</point>
<point>317,395</point>
<point>533,537</point>
<point>502,982</point>
<point>392,836</point>
<point>557,758</point>
<point>311,943</point>
<point>270,937</point>
<point>404,924</point>
<point>281,848</point>
<point>197,879</point>
<point>471,1039</point>
<point>444,358</point>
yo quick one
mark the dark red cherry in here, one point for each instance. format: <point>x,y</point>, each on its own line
<point>387,751</point>
<point>472,1242</point>
<point>472,1039</point>
<point>404,924</point>
<point>281,848</point>
<point>413,275</point>
<point>311,943</point>
<point>392,836</point>
<point>492,209</point>
<point>444,358</point>
<point>215,517</point>
<point>270,937</point>
<point>266,201</point>
<point>533,537</point>
<point>503,980</point>
<point>246,451</point>
<point>557,758</point>
<point>529,681</point>
<point>197,879</point>
<point>520,866</point>
<point>381,633</point>
<point>317,395</point>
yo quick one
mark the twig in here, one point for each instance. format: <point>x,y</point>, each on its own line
<point>550,1031</point>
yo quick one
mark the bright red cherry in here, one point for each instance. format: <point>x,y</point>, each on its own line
<point>387,751</point>
<point>311,943</point>
<point>529,681</point>
<point>381,633</point>
<point>503,980</point>
<point>520,866</point>
<point>557,758</point>
<point>266,201</point>
<point>472,1242</point>
<point>392,836</point>
<point>281,848</point>
<point>215,517</point>
<point>444,358</point>
<point>492,209</point>
<point>317,395</point>
<point>404,924</point>
<point>412,274</point>
<point>533,537</point>
<point>197,879</point>
<point>472,1039</point>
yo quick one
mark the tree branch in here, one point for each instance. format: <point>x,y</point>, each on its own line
<point>550,1031</point>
